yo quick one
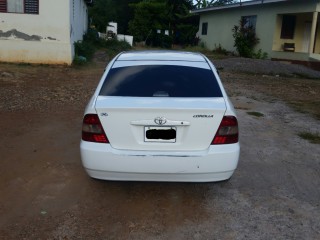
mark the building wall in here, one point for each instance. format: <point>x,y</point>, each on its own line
<point>78,20</point>
<point>317,44</point>
<point>45,38</point>
<point>221,22</point>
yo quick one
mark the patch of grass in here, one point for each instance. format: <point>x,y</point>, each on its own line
<point>242,108</point>
<point>204,50</point>
<point>234,93</point>
<point>254,98</point>
<point>311,107</point>
<point>256,114</point>
<point>311,137</point>
<point>22,64</point>
<point>199,48</point>
<point>219,50</point>
<point>303,75</point>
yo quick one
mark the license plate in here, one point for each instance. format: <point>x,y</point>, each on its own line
<point>160,134</point>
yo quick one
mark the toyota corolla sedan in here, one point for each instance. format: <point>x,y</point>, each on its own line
<point>160,116</point>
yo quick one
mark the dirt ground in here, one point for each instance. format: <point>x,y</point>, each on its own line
<point>46,194</point>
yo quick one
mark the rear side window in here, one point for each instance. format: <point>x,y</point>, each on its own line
<point>160,81</point>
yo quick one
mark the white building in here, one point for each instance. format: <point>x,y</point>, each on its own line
<point>41,31</point>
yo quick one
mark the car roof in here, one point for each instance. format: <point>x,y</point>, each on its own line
<point>161,55</point>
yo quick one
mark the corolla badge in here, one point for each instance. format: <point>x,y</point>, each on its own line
<point>160,120</point>
<point>203,116</point>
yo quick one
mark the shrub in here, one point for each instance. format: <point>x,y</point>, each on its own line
<point>85,49</point>
<point>92,36</point>
<point>166,42</point>
<point>260,55</point>
<point>113,46</point>
<point>79,60</point>
<point>245,39</point>
<point>202,44</point>
<point>160,40</point>
<point>219,49</point>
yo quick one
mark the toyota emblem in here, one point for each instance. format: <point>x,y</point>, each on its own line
<point>160,120</point>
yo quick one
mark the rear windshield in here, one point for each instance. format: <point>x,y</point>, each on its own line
<point>160,81</point>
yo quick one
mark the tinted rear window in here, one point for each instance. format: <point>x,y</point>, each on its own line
<point>160,81</point>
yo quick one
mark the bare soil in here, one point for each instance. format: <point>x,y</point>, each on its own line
<point>45,193</point>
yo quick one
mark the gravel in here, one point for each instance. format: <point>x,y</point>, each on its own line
<point>267,67</point>
<point>45,193</point>
<point>41,87</point>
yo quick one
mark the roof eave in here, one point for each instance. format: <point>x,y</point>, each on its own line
<point>236,5</point>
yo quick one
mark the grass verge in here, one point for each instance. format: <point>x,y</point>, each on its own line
<point>311,137</point>
<point>256,114</point>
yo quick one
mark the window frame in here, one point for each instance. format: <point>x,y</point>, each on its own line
<point>288,26</point>
<point>28,7</point>
<point>204,29</point>
<point>3,6</point>
<point>173,81</point>
<point>251,24</point>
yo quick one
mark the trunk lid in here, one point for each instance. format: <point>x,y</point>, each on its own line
<point>160,123</point>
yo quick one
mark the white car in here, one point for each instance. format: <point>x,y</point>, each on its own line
<point>160,116</point>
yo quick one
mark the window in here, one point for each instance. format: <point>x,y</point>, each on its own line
<point>15,6</point>
<point>249,21</point>
<point>160,80</point>
<point>204,28</point>
<point>31,6</point>
<point>288,26</point>
<point>3,5</point>
<point>20,6</point>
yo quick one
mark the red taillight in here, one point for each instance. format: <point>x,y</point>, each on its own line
<point>228,131</point>
<point>92,130</point>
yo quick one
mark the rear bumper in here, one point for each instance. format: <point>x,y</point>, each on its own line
<point>217,163</point>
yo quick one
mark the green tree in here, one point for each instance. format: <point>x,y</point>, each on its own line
<point>205,3</point>
<point>172,15</point>
<point>148,17</point>
<point>182,24</point>
<point>142,19</point>
<point>104,11</point>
